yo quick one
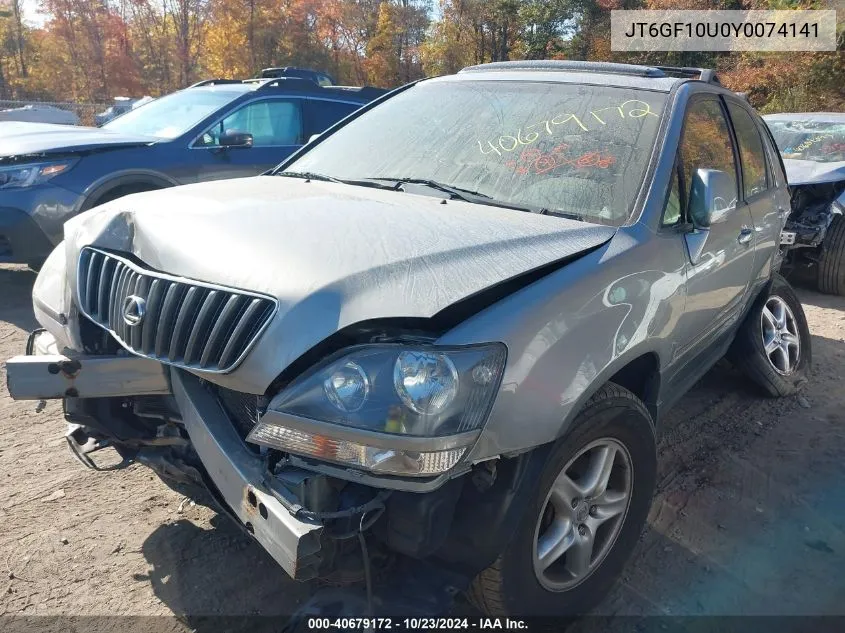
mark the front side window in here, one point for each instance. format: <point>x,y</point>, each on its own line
<point>171,116</point>
<point>566,148</point>
<point>673,214</point>
<point>752,157</point>
<point>706,144</point>
<point>813,140</point>
<point>271,123</point>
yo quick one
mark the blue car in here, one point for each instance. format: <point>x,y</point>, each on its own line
<point>215,129</point>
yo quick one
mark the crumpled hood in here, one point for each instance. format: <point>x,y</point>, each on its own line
<point>22,139</point>
<point>333,255</point>
<point>805,172</point>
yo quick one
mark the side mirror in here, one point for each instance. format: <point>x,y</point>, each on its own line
<point>313,138</point>
<point>712,197</point>
<point>235,139</point>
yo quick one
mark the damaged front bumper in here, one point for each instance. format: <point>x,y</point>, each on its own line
<point>235,475</point>
<point>47,376</point>
<point>239,477</point>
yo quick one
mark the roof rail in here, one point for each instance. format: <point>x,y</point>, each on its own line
<point>707,75</point>
<point>364,91</point>
<point>569,65</point>
<point>298,84</point>
<point>215,82</point>
<point>289,83</point>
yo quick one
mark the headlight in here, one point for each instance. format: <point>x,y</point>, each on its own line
<point>30,174</point>
<point>426,382</point>
<point>400,390</point>
<point>347,388</point>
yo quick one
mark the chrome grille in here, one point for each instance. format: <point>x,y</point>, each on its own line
<point>184,323</point>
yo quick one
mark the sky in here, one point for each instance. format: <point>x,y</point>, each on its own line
<point>32,14</point>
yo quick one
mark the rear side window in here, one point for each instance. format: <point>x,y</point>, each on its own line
<point>324,114</point>
<point>706,144</point>
<point>752,157</point>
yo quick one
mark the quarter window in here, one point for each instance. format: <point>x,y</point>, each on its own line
<point>324,114</point>
<point>673,214</point>
<point>271,123</point>
<point>752,157</point>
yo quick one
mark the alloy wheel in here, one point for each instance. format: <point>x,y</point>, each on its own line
<point>583,514</point>
<point>781,340</point>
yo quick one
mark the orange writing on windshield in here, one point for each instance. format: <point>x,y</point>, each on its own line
<point>534,161</point>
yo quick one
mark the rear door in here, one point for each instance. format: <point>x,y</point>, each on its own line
<point>321,114</point>
<point>277,129</point>
<point>720,257</point>
<point>766,202</point>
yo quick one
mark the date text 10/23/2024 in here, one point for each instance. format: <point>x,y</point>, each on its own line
<point>416,624</point>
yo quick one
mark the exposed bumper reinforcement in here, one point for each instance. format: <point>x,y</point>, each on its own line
<point>238,475</point>
<point>52,376</point>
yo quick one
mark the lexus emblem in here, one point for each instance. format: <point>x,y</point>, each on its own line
<point>134,308</point>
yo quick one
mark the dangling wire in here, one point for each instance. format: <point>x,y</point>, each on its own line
<point>368,581</point>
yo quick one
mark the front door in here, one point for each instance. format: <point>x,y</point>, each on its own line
<point>277,131</point>
<point>720,257</point>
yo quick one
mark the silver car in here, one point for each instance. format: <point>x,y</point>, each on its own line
<point>445,331</point>
<point>813,149</point>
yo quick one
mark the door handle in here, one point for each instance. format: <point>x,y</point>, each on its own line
<point>745,236</point>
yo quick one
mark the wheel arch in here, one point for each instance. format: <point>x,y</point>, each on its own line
<point>639,372</point>
<point>100,189</point>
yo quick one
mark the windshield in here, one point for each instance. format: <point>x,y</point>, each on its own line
<point>819,141</point>
<point>572,149</point>
<point>173,115</point>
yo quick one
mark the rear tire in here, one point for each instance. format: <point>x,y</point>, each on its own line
<point>831,267</point>
<point>535,574</point>
<point>773,345</point>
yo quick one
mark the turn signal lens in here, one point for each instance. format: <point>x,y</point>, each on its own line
<point>377,460</point>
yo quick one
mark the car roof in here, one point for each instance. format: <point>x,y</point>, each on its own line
<point>658,78</point>
<point>289,85</point>
<point>831,117</point>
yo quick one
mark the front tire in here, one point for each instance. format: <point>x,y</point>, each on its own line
<point>773,345</point>
<point>831,267</point>
<point>586,516</point>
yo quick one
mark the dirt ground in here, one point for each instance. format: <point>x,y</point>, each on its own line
<point>749,517</point>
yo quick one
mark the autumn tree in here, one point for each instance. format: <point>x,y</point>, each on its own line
<point>92,50</point>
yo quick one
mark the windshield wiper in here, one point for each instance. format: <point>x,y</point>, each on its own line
<point>308,175</point>
<point>366,182</point>
<point>563,214</point>
<point>455,192</point>
<point>477,197</point>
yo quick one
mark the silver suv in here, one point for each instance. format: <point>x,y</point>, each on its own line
<point>445,331</point>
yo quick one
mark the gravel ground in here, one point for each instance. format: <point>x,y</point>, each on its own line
<point>749,517</point>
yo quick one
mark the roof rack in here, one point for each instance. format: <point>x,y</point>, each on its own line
<point>570,65</point>
<point>702,74</point>
<point>297,84</point>
<point>215,82</point>
<point>707,75</point>
<point>289,83</point>
<point>364,91</point>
